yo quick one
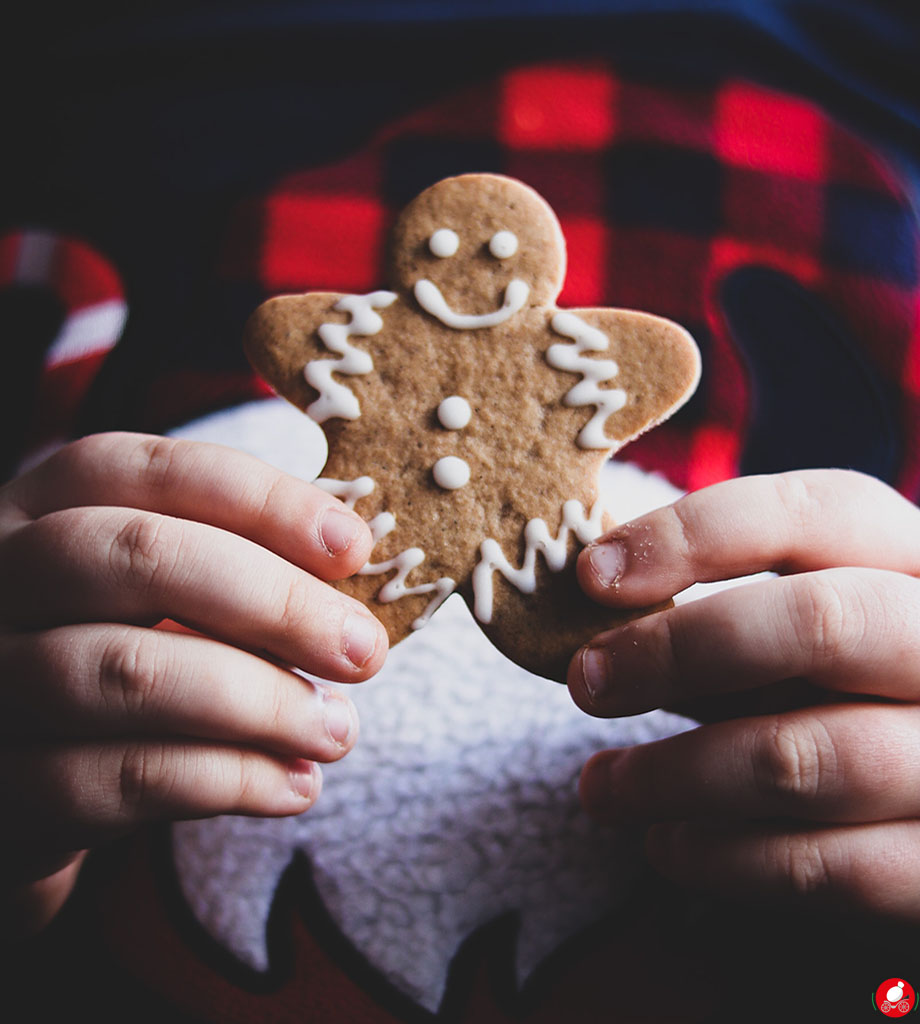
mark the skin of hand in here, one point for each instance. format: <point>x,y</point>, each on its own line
<point>106,721</point>
<point>816,801</point>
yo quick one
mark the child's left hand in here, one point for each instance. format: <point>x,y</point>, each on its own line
<point>820,801</point>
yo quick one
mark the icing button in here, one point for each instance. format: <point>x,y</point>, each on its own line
<point>451,473</point>
<point>454,413</point>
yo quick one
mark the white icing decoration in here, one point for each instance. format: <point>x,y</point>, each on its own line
<point>349,491</point>
<point>451,472</point>
<point>381,526</point>
<point>503,244</point>
<point>594,371</point>
<point>429,297</point>
<point>404,563</point>
<point>454,413</point>
<point>335,398</point>
<point>537,538</point>
<point>444,243</point>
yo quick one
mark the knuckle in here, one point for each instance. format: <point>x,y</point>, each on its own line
<point>242,782</point>
<point>677,647</point>
<point>810,498</point>
<point>801,499</point>
<point>272,498</point>
<point>141,551</point>
<point>792,763</point>
<point>683,529</point>
<point>157,459</point>
<point>278,716</point>
<point>130,669</point>
<point>296,608</point>
<point>805,865</point>
<point>827,616</point>
<point>141,778</point>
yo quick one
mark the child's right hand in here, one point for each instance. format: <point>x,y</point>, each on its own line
<point>108,722</point>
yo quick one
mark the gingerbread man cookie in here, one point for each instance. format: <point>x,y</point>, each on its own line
<point>468,417</point>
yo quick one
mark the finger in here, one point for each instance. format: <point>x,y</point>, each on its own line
<point>851,630</point>
<point>790,522</point>
<point>838,763</point>
<point>206,483</point>
<point>120,565</point>
<point>72,797</point>
<point>872,868</point>
<point>105,681</point>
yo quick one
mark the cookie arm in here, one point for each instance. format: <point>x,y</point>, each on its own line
<point>301,344</point>
<point>635,370</point>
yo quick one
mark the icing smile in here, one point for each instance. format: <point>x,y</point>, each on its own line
<point>429,297</point>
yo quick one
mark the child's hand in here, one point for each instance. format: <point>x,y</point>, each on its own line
<point>818,801</point>
<point>107,722</point>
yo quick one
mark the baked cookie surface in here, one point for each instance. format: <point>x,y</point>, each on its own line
<point>467,416</point>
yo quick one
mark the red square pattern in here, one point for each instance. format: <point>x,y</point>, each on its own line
<point>556,106</point>
<point>768,132</point>
<point>750,202</point>
<point>880,314</point>
<point>681,118</point>
<point>852,162</point>
<point>572,183</point>
<point>659,270</point>
<point>323,241</point>
<point>715,453</point>
<point>587,246</point>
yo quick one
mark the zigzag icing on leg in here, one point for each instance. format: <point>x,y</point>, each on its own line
<point>537,539</point>
<point>382,525</point>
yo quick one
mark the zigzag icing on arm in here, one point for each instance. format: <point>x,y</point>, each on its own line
<point>594,371</point>
<point>335,398</point>
<point>537,539</point>
<point>382,525</point>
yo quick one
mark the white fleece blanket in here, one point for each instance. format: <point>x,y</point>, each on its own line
<point>458,802</point>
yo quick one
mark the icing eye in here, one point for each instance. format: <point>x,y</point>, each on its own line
<point>443,243</point>
<point>503,244</point>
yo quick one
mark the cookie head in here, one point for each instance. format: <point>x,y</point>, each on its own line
<point>473,253</point>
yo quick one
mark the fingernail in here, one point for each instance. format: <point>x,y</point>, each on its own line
<point>595,672</point>
<point>607,562</point>
<point>359,639</point>
<point>303,777</point>
<point>339,717</point>
<point>338,530</point>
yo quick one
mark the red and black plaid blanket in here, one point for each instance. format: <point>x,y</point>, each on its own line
<point>782,241</point>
